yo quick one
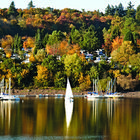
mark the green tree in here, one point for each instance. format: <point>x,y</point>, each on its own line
<point>93,73</point>
<point>90,41</point>
<point>129,37</point>
<point>60,79</point>
<point>103,68</point>
<point>17,44</point>
<point>40,56</point>
<point>53,66</point>
<point>38,42</point>
<point>12,9</point>
<point>73,67</point>
<point>130,10</point>
<point>108,10</point>
<point>75,36</point>
<point>138,13</point>
<point>129,24</point>
<point>45,40</point>
<point>120,10</point>
<point>55,38</point>
<point>30,5</point>
<point>115,32</point>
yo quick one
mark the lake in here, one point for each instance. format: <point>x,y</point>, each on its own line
<point>52,118</point>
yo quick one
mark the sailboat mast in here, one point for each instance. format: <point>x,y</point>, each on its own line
<point>6,88</point>
<point>93,86</point>
<point>2,86</point>
<point>9,86</point>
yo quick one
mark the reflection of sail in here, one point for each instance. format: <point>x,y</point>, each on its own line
<point>68,111</point>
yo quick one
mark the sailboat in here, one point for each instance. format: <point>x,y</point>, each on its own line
<point>95,93</point>
<point>5,96</point>
<point>69,94</point>
<point>110,94</point>
<point>68,103</point>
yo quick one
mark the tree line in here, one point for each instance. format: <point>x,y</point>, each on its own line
<point>52,34</point>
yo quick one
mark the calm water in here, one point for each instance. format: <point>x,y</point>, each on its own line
<point>52,118</point>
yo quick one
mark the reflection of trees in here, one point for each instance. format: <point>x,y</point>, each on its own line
<point>126,121</point>
<point>118,119</point>
<point>9,114</point>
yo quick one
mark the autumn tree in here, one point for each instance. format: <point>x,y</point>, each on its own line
<point>123,53</point>
<point>73,67</point>
<point>84,81</point>
<point>6,44</point>
<point>41,80</point>
<point>117,42</point>
<point>29,43</point>
<point>40,56</point>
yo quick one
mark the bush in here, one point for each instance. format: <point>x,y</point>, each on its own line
<point>127,82</point>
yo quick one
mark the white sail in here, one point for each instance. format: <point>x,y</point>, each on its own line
<point>69,93</point>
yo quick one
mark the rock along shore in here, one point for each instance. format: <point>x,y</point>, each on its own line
<point>33,92</point>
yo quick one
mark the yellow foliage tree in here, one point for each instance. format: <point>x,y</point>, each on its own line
<point>123,53</point>
<point>42,76</point>
<point>84,82</point>
<point>7,41</point>
<point>41,54</point>
<point>32,58</point>
<point>24,72</point>
<point>6,44</point>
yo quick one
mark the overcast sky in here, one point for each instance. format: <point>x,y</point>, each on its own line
<point>88,5</point>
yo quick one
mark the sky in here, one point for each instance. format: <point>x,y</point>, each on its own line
<point>88,5</point>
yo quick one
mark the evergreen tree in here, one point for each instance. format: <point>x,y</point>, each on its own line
<point>17,43</point>
<point>121,10</point>
<point>30,5</point>
<point>90,40</point>
<point>129,37</point>
<point>38,41</point>
<point>108,10</point>
<point>138,13</point>
<point>130,10</point>
<point>45,40</point>
<point>116,32</point>
<point>12,9</point>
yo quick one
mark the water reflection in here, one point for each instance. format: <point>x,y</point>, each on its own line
<point>68,111</point>
<point>5,115</point>
<point>111,119</point>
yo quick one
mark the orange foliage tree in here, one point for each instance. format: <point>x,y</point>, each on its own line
<point>29,43</point>
<point>117,42</point>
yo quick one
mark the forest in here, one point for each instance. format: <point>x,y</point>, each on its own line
<point>52,39</point>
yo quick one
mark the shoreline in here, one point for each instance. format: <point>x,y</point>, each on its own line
<point>52,92</point>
